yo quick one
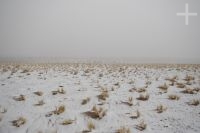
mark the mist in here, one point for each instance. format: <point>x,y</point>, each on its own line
<point>136,30</point>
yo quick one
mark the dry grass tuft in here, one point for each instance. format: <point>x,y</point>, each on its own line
<point>160,109</point>
<point>20,121</point>
<point>172,80</point>
<point>59,110</point>
<point>135,115</point>
<point>19,98</point>
<point>141,126</point>
<point>188,78</point>
<point>123,130</point>
<point>40,103</point>
<point>173,97</point>
<point>143,97</point>
<point>104,94</point>
<point>39,93</point>
<point>129,102</point>
<point>59,91</point>
<point>188,91</point>
<point>90,126</point>
<point>163,87</point>
<point>194,102</point>
<point>142,89</point>
<point>85,101</point>
<point>180,85</point>
<point>67,122</point>
<point>96,113</point>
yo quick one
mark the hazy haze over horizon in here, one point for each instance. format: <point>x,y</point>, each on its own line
<point>125,29</point>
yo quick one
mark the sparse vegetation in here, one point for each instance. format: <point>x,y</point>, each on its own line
<point>163,87</point>
<point>194,102</point>
<point>39,93</point>
<point>59,91</point>
<point>160,109</point>
<point>104,94</point>
<point>19,98</point>
<point>135,115</point>
<point>173,97</point>
<point>67,122</point>
<point>123,130</point>
<point>85,101</point>
<point>188,91</point>
<point>59,110</point>
<point>40,103</point>
<point>141,126</point>
<point>96,113</point>
<point>143,97</point>
<point>20,121</point>
<point>129,102</point>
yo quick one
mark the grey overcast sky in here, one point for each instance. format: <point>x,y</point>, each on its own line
<point>129,29</point>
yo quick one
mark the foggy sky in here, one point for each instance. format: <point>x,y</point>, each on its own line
<point>129,29</point>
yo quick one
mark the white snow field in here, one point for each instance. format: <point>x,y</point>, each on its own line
<point>99,98</point>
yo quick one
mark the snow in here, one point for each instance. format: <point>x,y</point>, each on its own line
<point>80,81</point>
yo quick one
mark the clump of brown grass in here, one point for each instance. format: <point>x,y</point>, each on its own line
<point>194,102</point>
<point>180,85</point>
<point>123,130</point>
<point>163,87</point>
<point>142,89</point>
<point>85,101</point>
<point>59,110</point>
<point>188,91</point>
<point>172,80</point>
<point>188,78</point>
<point>143,97</point>
<point>104,94</point>
<point>129,102</point>
<point>96,113</point>
<point>160,109</point>
<point>19,98</point>
<point>59,91</point>
<point>67,122</point>
<point>135,115</point>
<point>39,93</point>
<point>90,126</point>
<point>20,121</point>
<point>173,97</point>
<point>40,103</point>
<point>141,126</point>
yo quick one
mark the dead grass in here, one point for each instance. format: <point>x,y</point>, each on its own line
<point>188,78</point>
<point>160,109</point>
<point>90,127</point>
<point>194,102</point>
<point>123,130</point>
<point>129,102</point>
<point>85,101</point>
<point>143,97</point>
<point>141,126</point>
<point>180,85</point>
<point>135,115</point>
<point>188,91</point>
<point>104,94</point>
<point>40,103</point>
<point>38,93</point>
<point>59,91</point>
<point>20,121</point>
<point>173,97</point>
<point>96,113</point>
<point>142,89</point>
<point>163,87</point>
<point>19,98</point>
<point>59,110</point>
<point>67,122</point>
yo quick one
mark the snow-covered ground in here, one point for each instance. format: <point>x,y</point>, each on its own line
<point>112,89</point>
